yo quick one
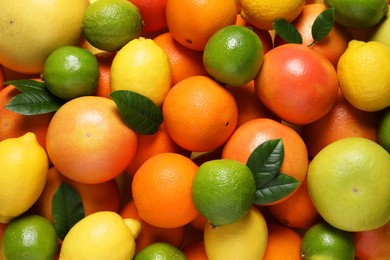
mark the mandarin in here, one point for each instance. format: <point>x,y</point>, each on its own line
<point>104,59</point>
<point>153,14</point>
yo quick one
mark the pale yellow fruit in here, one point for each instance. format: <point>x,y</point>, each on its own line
<point>101,235</point>
<point>243,239</point>
<point>143,67</point>
<point>23,172</point>
<point>381,31</point>
<point>364,75</point>
<point>31,29</point>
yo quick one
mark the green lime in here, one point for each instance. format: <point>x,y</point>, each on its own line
<point>358,14</point>
<point>233,55</point>
<point>29,237</point>
<point>384,130</point>
<point>71,72</point>
<point>223,191</point>
<point>110,24</point>
<point>160,251</point>
<point>323,241</point>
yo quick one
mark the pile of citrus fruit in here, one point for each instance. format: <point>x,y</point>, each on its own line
<point>185,129</point>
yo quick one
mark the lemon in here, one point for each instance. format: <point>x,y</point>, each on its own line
<point>349,182</point>
<point>143,67</point>
<point>233,55</point>
<point>29,237</point>
<point>30,30</point>
<point>110,24</point>
<point>262,13</point>
<point>243,239</point>
<point>101,235</point>
<point>364,75</point>
<point>384,130</point>
<point>381,31</point>
<point>160,251</point>
<point>23,173</point>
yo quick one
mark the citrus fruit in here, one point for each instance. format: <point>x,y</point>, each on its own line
<point>200,114</point>
<point>2,77</point>
<point>153,14</point>
<point>71,72</point>
<point>160,250</point>
<point>348,182</point>
<point>323,241</point>
<point>384,130</point>
<point>248,235</point>
<point>380,31</point>
<point>31,30</point>
<point>109,24</point>
<point>233,55</point>
<point>18,190</point>
<point>104,59</point>
<point>363,75</point>
<point>192,23</point>
<point>88,142</point>
<point>101,235</point>
<point>143,67</point>
<point>297,84</point>
<point>262,13</point>
<point>223,191</point>
<point>358,14</point>
<point>195,251</point>
<point>29,237</point>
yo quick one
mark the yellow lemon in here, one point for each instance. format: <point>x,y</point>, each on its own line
<point>364,75</point>
<point>143,67</point>
<point>23,172</point>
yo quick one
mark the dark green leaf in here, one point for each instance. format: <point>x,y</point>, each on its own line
<point>34,103</point>
<point>287,31</point>
<point>27,85</point>
<point>138,112</point>
<point>322,25</point>
<point>66,209</point>
<point>275,189</point>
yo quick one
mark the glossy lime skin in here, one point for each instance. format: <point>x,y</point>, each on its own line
<point>161,251</point>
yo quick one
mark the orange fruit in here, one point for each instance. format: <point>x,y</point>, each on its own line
<point>162,190</point>
<point>254,132</point>
<point>195,251</point>
<point>184,61</point>
<point>88,142</point>
<point>152,13</point>
<point>192,23</point>
<point>104,59</point>
<point>2,77</point>
<point>199,222</point>
<point>297,84</point>
<point>199,114</point>
<point>283,243</point>
<point>343,120</point>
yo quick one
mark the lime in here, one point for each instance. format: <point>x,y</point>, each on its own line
<point>160,251</point>
<point>384,130</point>
<point>110,24</point>
<point>71,72</point>
<point>358,14</point>
<point>223,191</point>
<point>381,31</point>
<point>348,182</point>
<point>323,241</point>
<point>29,237</point>
<point>233,55</point>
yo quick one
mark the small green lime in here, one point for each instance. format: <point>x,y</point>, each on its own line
<point>323,241</point>
<point>233,55</point>
<point>223,191</point>
<point>29,237</point>
<point>384,130</point>
<point>160,251</point>
<point>110,24</point>
<point>71,72</point>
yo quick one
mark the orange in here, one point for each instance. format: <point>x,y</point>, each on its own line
<point>104,59</point>
<point>2,77</point>
<point>149,233</point>
<point>343,120</point>
<point>195,251</point>
<point>184,61</point>
<point>298,211</point>
<point>95,197</point>
<point>283,243</point>
<point>14,125</point>
<point>254,132</point>
<point>88,142</point>
<point>297,84</point>
<point>199,222</point>
<point>332,46</point>
<point>192,23</point>
<point>200,114</point>
<point>152,13</point>
<point>162,190</point>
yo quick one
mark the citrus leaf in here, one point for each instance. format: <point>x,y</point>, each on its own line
<point>138,112</point>
<point>287,31</point>
<point>27,85</point>
<point>275,189</point>
<point>66,209</point>
<point>34,103</point>
<point>322,25</point>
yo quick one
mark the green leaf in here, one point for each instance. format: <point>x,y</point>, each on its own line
<point>66,209</point>
<point>287,31</point>
<point>138,112</point>
<point>27,85</point>
<point>322,25</point>
<point>275,189</point>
